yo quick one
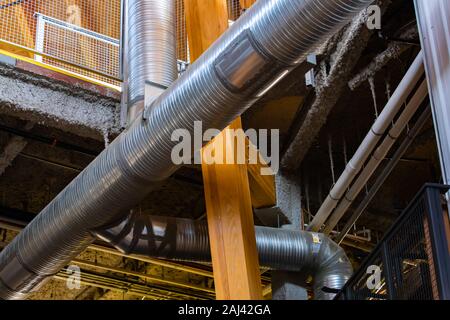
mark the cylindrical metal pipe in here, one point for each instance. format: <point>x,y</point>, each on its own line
<point>309,253</point>
<point>369,143</point>
<point>377,157</point>
<point>409,139</point>
<point>152,43</point>
<point>270,38</point>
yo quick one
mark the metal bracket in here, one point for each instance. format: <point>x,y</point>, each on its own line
<point>310,77</point>
<point>151,93</point>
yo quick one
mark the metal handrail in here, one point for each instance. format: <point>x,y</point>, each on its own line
<point>21,47</point>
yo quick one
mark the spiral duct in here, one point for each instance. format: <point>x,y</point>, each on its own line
<point>311,254</point>
<point>267,42</point>
<point>152,45</point>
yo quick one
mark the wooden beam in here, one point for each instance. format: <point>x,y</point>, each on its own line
<point>227,190</point>
<point>205,22</point>
<point>231,225</point>
<point>262,188</point>
<point>245,4</point>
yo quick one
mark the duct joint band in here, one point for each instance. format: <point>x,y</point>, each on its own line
<point>12,276</point>
<point>246,66</point>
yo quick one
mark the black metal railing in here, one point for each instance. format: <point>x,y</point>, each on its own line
<point>412,262</point>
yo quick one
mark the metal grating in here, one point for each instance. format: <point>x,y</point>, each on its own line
<point>409,259</point>
<point>234,12</point>
<point>77,35</point>
<point>78,46</point>
<point>82,36</point>
<point>414,255</point>
<point>234,9</point>
<point>182,39</point>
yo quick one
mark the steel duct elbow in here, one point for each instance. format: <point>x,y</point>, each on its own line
<point>276,34</point>
<point>279,249</point>
<point>309,253</point>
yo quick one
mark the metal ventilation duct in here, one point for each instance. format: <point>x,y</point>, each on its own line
<point>279,32</point>
<point>187,240</point>
<point>152,43</point>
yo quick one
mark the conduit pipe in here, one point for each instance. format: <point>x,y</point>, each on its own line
<point>409,139</point>
<point>309,253</point>
<point>377,157</point>
<point>369,143</point>
<point>268,41</point>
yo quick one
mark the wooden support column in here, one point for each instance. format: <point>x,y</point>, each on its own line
<point>227,191</point>
<point>245,4</point>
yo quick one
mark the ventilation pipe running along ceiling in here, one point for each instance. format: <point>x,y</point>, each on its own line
<point>269,40</point>
<point>311,254</point>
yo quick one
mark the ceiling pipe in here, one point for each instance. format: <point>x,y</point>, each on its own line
<point>377,157</point>
<point>309,253</point>
<point>378,130</point>
<point>409,139</point>
<point>268,41</point>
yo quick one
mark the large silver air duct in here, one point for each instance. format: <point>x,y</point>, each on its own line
<point>267,42</point>
<point>152,44</point>
<point>309,253</point>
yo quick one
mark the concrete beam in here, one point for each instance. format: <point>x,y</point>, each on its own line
<point>287,210</point>
<point>64,106</point>
<point>393,51</point>
<point>287,214</point>
<point>13,147</point>
<point>331,82</point>
<point>288,286</point>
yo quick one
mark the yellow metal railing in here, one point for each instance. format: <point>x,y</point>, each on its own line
<point>80,38</point>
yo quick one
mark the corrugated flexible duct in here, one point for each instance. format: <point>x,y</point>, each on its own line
<point>311,254</point>
<point>268,41</point>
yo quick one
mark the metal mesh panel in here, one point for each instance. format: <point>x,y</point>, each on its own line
<point>79,47</point>
<point>17,23</point>
<point>234,12</point>
<point>83,33</point>
<point>413,259</point>
<point>85,36</point>
<point>362,289</point>
<point>234,9</point>
<point>182,39</point>
<point>408,258</point>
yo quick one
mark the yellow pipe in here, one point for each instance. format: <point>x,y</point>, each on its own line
<point>105,282</point>
<point>142,275</point>
<point>158,262</point>
<point>106,287</point>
